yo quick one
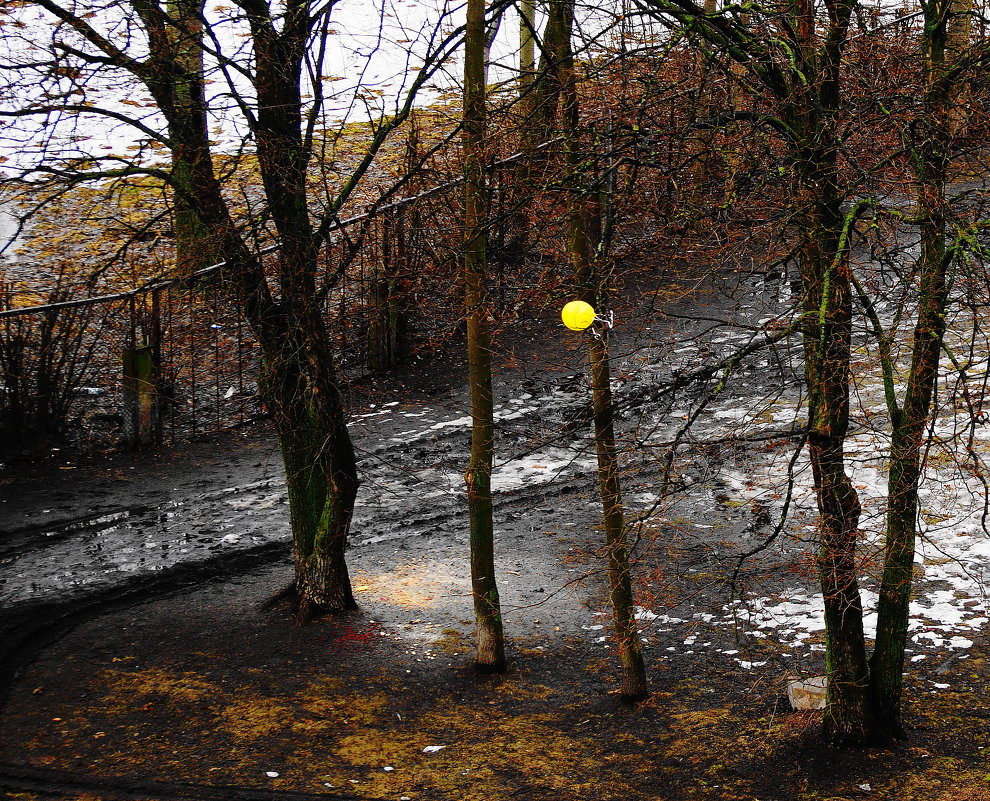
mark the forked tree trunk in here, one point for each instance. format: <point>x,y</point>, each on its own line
<point>297,377</point>
<point>931,155</point>
<point>490,652</point>
<point>863,704</point>
<point>827,305</point>
<point>308,409</point>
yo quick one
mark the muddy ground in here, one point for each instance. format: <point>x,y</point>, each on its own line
<point>142,660</point>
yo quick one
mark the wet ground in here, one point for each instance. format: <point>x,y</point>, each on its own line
<point>72,527</point>
<point>127,567</point>
<point>709,468</point>
<point>76,533</point>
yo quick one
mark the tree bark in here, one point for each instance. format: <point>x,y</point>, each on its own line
<point>527,49</point>
<point>957,36</point>
<point>302,384</point>
<point>591,289</point>
<point>634,685</point>
<point>490,651</point>
<point>811,107</point>
<point>185,33</point>
<point>849,717</point>
<point>931,154</point>
<point>320,468</point>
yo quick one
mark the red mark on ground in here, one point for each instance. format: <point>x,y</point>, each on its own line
<point>365,637</point>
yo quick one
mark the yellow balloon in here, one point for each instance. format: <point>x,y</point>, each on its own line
<point>578,315</point>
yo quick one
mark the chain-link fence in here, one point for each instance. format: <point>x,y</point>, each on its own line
<point>175,358</point>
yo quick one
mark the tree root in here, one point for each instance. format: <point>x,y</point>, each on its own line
<point>303,610</point>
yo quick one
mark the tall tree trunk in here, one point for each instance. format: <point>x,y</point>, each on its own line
<point>306,402</point>
<point>591,289</point>
<point>957,36</point>
<point>931,153</point>
<point>735,146</point>
<point>490,654</point>
<point>386,315</point>
<point>634,686</point>
<point>527,48</point>
<point>298,379</point>
<point>849,715</point>
<point>545,88</point>
<point>812,105</point>
<point>192,248</point>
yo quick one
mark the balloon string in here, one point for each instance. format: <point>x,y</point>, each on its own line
<point>608,322</point>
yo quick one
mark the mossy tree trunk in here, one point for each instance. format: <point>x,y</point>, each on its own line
<point>931,152</point>
<point>490,651</point>
<point>298,377</point>
<point>320,471</point>
<point>811,108</point>
<point>310,418</point>
<point>827,304</point>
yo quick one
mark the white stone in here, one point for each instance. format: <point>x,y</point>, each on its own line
<point>807,693</point>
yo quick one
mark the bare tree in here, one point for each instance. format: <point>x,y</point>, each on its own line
<point>947,58</point>
<point>800,77</point>
<point>585,254</point>
<point>150,47</point>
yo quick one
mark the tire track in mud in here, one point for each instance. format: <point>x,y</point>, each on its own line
<point>393,508</point>
<point>27,627</point>
<point>411,485</point>
<point>411,458</point>
<point>46,783</point>
<point>405,484</point>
